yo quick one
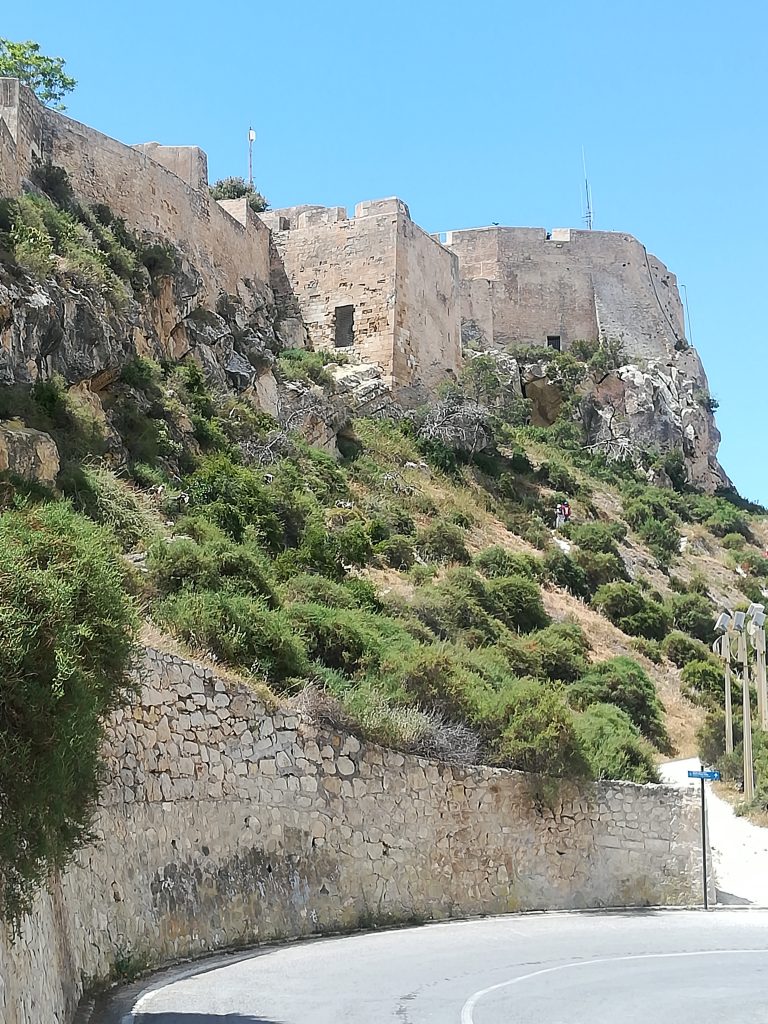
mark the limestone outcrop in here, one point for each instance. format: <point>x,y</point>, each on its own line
<point>29,454</point>
<point>659,407</point>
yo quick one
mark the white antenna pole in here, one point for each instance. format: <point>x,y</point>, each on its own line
<point>251,140</point>
<point>587,193</point>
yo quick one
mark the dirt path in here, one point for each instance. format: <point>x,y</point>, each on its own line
<point>739,848</point>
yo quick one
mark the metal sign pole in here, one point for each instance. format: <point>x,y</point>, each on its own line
<point>711,776</point>
<point>704,846</point>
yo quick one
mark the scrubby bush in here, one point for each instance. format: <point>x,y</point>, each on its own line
<point>703,681</point>
<point>353,544</point>
<point>498,561</point>
<point>733,541</point>
<point>109,500</point>
<point>600,567</point>
<point>541,735</point>
<point>560,651</point>
<point>613,745</point>
<point>442,541</point>
<point>693,614</point>
<point>626,607</point>
<point>517,603</point>
<point>650,649</point>
<point>242,631</point>
<point>347,640</point>
<point>680,648</point>
<point>397,552</point>
<point>296,364</point>
<point>599,537</point>
<point>66,627</point>
<point>623,682</point>
<point>564,572</point>
<point>651,513</point>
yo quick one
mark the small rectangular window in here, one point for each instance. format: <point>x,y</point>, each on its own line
<point>344,326</point>
<point>553,341</point>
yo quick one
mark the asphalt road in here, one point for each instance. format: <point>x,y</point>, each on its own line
<point>651,967</point>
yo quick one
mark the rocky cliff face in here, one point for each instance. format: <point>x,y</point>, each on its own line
<point>628,412</point>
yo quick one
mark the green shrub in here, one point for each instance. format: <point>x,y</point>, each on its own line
<point>626,607</point>
<point>650,649</point>
<point>116,504</point>
<point>242,631</point>
<point>680,648</point>
<point>66,645</point>
<point>541,735</point>
<point>397,552</point>
<point>651,513</point>
<point>613,745</point>
<point>600,567</point>
<point>308,588</point>
<point>560,651</point>
<point>458,607</point>
<point>498,561</point>
<point>297,364</point>
<point>624,683</point>
<point>734,541</point>
<point>516,602</point>
<point>442,542</point>
<point>725,519</point>
<point>693,614</point>
<point>564,572</point>
<point>353,544</point>
<point>597,537</point>
<point>704,681</point>
<point>558,476</point>
<point>391,523</point>
<point>233,497</point>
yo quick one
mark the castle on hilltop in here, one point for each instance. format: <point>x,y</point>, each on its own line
<point>376,286</point>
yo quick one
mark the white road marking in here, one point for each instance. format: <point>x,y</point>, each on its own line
<point>467,1009</point>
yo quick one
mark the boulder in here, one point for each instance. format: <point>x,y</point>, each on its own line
<point>29,454</point>
<point>461,425</point>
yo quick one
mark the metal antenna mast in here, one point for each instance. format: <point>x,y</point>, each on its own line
<point>251,140</point>
<point>587,193</point>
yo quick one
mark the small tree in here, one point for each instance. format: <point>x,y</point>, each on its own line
<point>45,76</point>
<point>236,188</point>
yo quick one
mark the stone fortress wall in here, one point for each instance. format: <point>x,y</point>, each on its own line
<point>521,286</point>
<point>161,190</point>
<point>401,284</point>
<point>226,823</point>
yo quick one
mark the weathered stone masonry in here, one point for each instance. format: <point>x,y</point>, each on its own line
<point>225,824</point>
<point>523,286</point>
<point>374,284</point>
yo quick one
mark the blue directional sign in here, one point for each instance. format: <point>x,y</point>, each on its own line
<point>710,776</point>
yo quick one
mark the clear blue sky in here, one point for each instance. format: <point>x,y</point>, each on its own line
<point>472,113</point>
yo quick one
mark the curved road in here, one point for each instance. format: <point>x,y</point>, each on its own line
<point>652,967</point>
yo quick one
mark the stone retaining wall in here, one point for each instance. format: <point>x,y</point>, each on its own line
<point>224,823</point>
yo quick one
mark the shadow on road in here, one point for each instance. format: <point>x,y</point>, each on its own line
<point>728,899</point>
<point>201,1018</point>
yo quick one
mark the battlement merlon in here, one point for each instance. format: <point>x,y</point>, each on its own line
<point>158,190</point>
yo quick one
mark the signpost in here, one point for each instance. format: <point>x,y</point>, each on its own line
<point>710,776</point>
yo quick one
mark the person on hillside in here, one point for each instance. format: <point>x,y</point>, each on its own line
<point>566,511</point>
<point>559,515</point>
